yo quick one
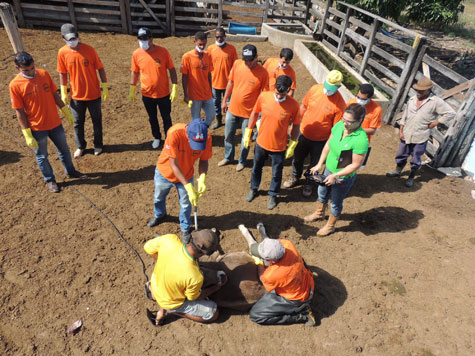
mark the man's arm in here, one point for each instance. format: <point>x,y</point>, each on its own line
<point>134,78</point>
<point>184,83</point>
<point>227,93</point>
<point>210,80</point>
<point>177,170</point>
<point>303,109</point>
<point>173,76</point>
<point>291,92</point>
<point>203,167</point>
<point>22,118</point>
<point>57,100</point>
<point>252,120</point>
<point>63,79</point>
<point>294,133</point>
<point>102,75</point>
<point>370,131</point>
<point>445,112</point>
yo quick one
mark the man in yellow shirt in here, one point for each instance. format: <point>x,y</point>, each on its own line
<point>176,280</point>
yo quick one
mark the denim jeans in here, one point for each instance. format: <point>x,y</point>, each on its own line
<point>78,109</point>
<point>165,106</point>
<point>217,98</point>
<point>260,157</point>
<point>302,150</point>
<point>416,150</point>
<point>208,108</point>
<point>162,188</point>
<point>58,137</point>
<point>337,192</point>
<point>232,123</point>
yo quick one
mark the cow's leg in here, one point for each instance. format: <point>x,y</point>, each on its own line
<point>262,230</point>
<point>247,235</point>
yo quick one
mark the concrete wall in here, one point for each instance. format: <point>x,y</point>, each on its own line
<point>282,38</point>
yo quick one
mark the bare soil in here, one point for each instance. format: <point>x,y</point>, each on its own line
<point>395,279</point>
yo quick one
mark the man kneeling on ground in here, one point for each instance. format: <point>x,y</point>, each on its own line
<point>177,280</point>
<point>288,282</point>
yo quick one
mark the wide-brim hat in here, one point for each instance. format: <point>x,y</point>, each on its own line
<point>423,84</point>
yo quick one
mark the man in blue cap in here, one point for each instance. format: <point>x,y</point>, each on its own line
<point>185,143</point>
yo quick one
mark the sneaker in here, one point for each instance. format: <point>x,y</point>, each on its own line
<point>272,203</point>
<point>307,191</point>
<point>239,167</point>
<point>155,143</point>
<point>291,182</point>
<point>155,221</point>
<point>97,151</point>
<point>77,174</point>
<point>52,186</point>
<point>78,153</point>
<point>251,194</point>
<point>311,321</point>
<point>223,162</point>
<point>185,236</point>
<point>217,124</point>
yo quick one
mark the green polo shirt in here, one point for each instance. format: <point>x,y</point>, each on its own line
<point>356,141</point>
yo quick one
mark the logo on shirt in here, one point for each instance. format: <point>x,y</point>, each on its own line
<point>157,60</point>
<point>251,82</point>
<point>168,147</point>
<point>85,62</point>
<point>284,115</point>
<point>46,87</point>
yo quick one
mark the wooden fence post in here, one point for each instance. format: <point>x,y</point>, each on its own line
<point>344,26</point>
<point>19,13</point>
<point>172,17</point>
<point>220,13</point>
<point>167,12</point>
<point>129,17</point>
<point>264,15</point>
<point>307,12</point>
<point>72,15</point>
<point>325,15</point>
<point>123,16</point>
<point>10,24</point>
<point>367,53</point>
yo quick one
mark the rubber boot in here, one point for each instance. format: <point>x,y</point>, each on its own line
<point>318,214</point>
<point>410,180</point>
<point>397,172</point>
<point>329,227</point>
<point>218,123</point>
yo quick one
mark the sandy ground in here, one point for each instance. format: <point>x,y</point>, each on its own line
<point>395,279</point>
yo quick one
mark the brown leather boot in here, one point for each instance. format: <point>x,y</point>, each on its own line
<point>329,227</point>
<point>318,214</point>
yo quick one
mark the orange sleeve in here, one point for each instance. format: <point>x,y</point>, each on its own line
<point>134,67</point>
<point>16,98</point>
<point>61,66</point>
<point>296,118</point>
<point>172,143</point>
<point>97,61</point>
<point>294,79</point>
<point>307,97</point>
<point>184,65</point>
<point>265,81</point>
<point>375,118</point>
<point>231,74</point>
<point>53,87</point>
<point>258,106</point>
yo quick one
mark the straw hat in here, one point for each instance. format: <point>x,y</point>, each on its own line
<point>423,84</point>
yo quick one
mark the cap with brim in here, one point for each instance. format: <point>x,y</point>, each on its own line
<point>283,83</point>
<point>333,80</point>
<point>197,132</point>
<point>423,84</point>
<point>249,52</point>
<point>205,241</point>
<point>144,34</point>
<point>268,249</point>
<point>68,31</point>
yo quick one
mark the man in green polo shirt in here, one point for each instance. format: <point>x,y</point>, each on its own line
<point>343,155</point>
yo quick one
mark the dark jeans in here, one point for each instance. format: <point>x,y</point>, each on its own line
<point>217,96</point>
<point>416,150</point>
<point>78,109</point>
<point>273,309</point>
<point>260,157</point>
<point>165,106</point>
<point>302,150</point>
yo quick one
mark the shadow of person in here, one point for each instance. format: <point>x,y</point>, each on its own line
<point>128,147</point>
<point>382,219</point>
<point>330,294</point>
<point>7,157</point>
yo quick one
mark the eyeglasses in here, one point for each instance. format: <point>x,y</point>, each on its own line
<point>349,122</point>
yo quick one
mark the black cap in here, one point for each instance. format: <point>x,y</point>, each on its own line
<point>144,34</point>
<point>283,83</point>
<point>249,52</point>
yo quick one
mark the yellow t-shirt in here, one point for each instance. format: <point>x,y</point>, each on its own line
<point>176,275</point>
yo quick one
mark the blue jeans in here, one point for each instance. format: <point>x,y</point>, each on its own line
<point>58,137</point>
<point>260,157</point>
<point>207,106</point>
<point>337,191</point>
<point>162,188</point>
<point>217,97</point>
<point>232,123</point>
<point>78,109</point>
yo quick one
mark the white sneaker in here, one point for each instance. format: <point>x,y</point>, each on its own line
<point>97,151</point>
<point>78,153</point>
<point>155,143</point>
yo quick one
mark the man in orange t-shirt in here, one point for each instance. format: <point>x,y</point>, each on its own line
<point>223,56</point>
<point>278,110</point>
<point>151,63</point>
<point>246,81</point>
<point>196,68</point>
<point>82,63</point>
<point>322,107</point>
<point>34,98</point>
<point>185,143</point>
<point>281,66</point>
<point>288,282</point>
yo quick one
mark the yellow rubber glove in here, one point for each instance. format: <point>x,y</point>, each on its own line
<point>290,149</point>
<point>190,103</point>
<point>201,185</point>
<point>30,140</point>
<point>247,137</point>
<point>174,93</point>
<point>257,260</point>
<point>192,194</point>
<point>68,115</point>
<point>105,92</point>
<point>258,125</point>
<point>64,94</point>
<point>132,93</point>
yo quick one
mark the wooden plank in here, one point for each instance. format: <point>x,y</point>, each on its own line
<point>444,70</point>
<point>167,12</point>
<point>144,4</point>
<point>383,69</point>
<point>242,4</point>
<point>129,17</point>
<point>265,11</point>
<point>204,1</point>
<point>343,29</point>
<point>325,15</point>
<point>197,10</point>
<point>87,27</point>
<point>333,24</point>
<point>44,7</point>
<point>426,70</point>
<point>19,13</point>
<point>45,15</point>
<point>385,87</point>
<point>387,56</point>
<point>152,6</point>
<point>436,134</point>
<point>431,149</point>
<point>457,89</point>
<point>374,30</point>
<point>394,42</point>
<point>172,18</point>
<point>336,12</point>
<point>360,23</point>
<point>94,2</point>
<point>316,13</point>
<point>350,60</point>
<point>331,35</point>
<point>11,27</point>
<point>97,20</point>
<point>72,16</point>
<point>123,16</point>
<point>148,16</point>
<point>220,13</point>
<point>329,45</point>
<point>307,12</point>
<point>195,19</point>
<point>358,38</point>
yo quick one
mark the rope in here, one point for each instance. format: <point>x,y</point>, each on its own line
<point>121,236</point>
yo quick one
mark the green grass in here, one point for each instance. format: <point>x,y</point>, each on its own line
<point>466,26</point>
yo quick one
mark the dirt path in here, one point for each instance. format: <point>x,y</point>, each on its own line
<point>395,279</point>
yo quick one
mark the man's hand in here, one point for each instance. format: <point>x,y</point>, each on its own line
<point>247,137</point>
<point>257,261</point>
<point>201,185</point>
<point>224,106</point>
<point>401,134</point>
<point>174,93</point>
<point>64,94</point>
<point>290,149</point>
<point>132,93</point>
<point>192,194</point>
<point>30,140</point>
<point>105,92</point>
<point>68,115</point>
<point>433,124</point>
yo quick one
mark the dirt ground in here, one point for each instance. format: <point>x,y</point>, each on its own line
<point>395,279</point>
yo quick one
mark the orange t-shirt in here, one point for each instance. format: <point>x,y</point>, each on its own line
<point>153,68</point>
<point>289,277</point>
<point>36,97</point>
<point>374,113</point>
<point>81,65</point>
<point>275,120</point>
<point>223,59</point>
<point>177,146</point>
<point>322,113</point>
<point>272,67</point>
<point>197,71</point>
<point>248,84</point>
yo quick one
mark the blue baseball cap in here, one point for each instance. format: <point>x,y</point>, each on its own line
<point>197,132</point>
